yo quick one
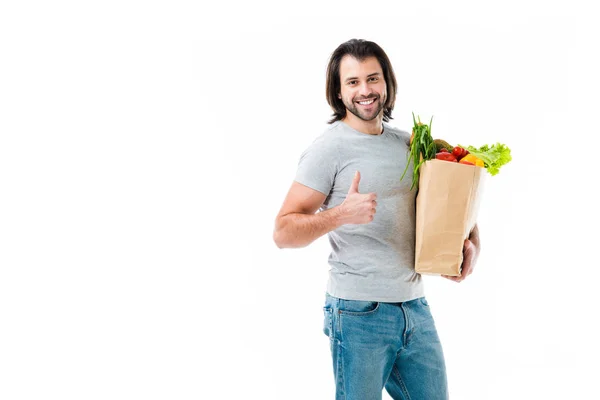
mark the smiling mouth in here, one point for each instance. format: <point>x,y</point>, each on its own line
<point>366,102</point>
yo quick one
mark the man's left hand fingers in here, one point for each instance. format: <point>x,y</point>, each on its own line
<point>467,265</point>
<point>455,278</point>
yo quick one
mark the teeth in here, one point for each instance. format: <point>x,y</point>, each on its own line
<point>364,103</point>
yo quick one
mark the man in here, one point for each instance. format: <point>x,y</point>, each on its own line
<point>381,331</point>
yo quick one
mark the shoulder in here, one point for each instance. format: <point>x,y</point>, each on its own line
<point>327,139</point>
<point>400,134</point>
<point>323,146</point>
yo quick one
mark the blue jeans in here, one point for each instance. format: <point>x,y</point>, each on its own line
<point>378,345</point>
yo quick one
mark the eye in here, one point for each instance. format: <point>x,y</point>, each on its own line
<point>374,79</point>
<point>351,82</point>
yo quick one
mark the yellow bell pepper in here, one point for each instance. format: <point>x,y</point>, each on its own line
<point>472,159</point>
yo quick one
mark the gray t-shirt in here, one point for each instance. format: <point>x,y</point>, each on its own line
<point>373,261</point>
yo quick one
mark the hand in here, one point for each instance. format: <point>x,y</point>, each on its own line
<point>469,260</point>
<point>358,208</point>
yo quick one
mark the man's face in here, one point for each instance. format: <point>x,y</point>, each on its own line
<point>363,88</point>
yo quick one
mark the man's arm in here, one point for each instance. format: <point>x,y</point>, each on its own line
<point>296,230</point>
<point>474,238</point>
<point>297,225</point>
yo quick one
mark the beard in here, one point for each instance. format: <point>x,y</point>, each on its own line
<point>365,115</point>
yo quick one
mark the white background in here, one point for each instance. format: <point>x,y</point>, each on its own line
<point>146,148</point>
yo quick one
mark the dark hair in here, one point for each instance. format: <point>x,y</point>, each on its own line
<point>359,49</point>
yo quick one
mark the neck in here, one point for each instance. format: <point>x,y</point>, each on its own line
<point>373,127</point>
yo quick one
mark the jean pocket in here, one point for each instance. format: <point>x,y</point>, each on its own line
<point>358,307</point>
<point>423,301</point>
<point>327,321</point>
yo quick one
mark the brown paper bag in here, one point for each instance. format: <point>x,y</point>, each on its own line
<point>447,205</point>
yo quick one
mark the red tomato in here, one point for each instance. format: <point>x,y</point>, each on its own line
<point>445,156</point>
<point>459,152</point>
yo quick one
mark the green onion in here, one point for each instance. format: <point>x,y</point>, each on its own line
<point>422,144</point>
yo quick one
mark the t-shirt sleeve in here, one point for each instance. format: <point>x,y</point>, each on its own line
<point>317,166</point>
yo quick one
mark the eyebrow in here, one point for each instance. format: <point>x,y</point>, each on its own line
<point>355,77</point>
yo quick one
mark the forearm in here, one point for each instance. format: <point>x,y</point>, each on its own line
<point>299,230</point>
<point>474,238</point>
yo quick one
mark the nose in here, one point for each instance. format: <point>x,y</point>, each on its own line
<point>364,89</point>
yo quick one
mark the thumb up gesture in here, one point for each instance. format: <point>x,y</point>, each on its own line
<point>358,208</point>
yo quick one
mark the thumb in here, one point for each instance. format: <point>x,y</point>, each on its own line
<point>354,185</point>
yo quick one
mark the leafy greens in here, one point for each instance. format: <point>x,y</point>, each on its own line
<point>493,157</point>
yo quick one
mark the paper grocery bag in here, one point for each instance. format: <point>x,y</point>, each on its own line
<point>447,205</point>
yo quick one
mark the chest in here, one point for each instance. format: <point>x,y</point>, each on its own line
<point>380,167</point>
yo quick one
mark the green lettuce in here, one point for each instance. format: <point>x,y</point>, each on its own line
<point>493,157</point>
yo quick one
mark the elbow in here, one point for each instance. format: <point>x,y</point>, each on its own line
<point>284,242</point>
<point>287,243</point>
<point>278,240</point>
<point>278,236</point>
<point>284,239</point>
